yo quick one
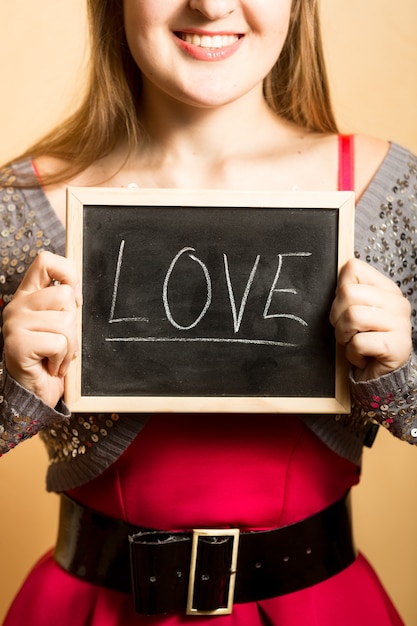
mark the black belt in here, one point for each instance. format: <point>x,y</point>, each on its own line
<point>204,571</point>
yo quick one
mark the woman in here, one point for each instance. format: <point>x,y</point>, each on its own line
<point>192,95</point>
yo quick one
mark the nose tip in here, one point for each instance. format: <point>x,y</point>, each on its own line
<point>213,9</point>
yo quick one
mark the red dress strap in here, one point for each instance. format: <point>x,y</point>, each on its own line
<point>346,180</point>
<point>37,173</point>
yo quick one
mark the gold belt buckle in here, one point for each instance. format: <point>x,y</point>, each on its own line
<point>213,532</point>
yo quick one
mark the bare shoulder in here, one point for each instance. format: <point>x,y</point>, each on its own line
<point>47,166</point>
<point>369,154</point>
<point>96,174</point>
<point>56,193</point>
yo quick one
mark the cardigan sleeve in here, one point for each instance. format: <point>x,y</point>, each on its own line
<point>27,226</point>
<point>391,400</point>
<point>386,237</point>
<point>23,414</point>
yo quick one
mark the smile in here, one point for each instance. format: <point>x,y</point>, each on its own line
<point>208,41</point>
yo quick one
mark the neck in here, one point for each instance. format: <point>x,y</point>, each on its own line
<point>229,146</point>
<point>178,133</point>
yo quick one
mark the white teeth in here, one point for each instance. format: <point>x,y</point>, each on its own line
<point>205,41</point>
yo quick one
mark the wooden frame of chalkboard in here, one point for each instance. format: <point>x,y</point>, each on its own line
<point>208,301</point>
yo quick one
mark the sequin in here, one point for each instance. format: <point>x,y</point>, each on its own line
<point>92,429</point>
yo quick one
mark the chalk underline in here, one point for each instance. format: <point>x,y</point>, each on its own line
<point>260,342</point>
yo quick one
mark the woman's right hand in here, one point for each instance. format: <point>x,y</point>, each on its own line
<point>39,327</point>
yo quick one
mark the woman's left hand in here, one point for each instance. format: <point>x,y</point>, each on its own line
<point>372,319</point>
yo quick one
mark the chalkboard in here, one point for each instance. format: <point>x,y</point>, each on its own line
<point>208,300</point>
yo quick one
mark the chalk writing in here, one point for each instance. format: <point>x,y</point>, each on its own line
<point>112,319</point>
<point>237,309</point>
<point>165,290</point>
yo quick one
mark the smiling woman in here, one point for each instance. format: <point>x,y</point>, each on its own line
<point>186,120</point>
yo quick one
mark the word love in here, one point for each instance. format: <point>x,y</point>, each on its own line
<point>237,308</point>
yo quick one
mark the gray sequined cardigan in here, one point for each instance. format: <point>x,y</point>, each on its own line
<point>81,446</point>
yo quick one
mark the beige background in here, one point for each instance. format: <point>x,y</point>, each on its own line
<point>372,57</point>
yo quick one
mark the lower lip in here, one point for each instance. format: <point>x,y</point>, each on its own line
<point>208,54</point>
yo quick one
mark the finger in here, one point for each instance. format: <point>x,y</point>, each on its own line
<point>361,319</point>
<point>36,336</point>
<point>41,376</point>
<point>55,298</point>
<point>389,350</point>
<point>49,310</point>
<point>48,269</point>
<point>51,350</point>
<point>43,346</point>
<point>55,349</point>
<point>353,295</point>
<point>356,271</point>
<point>59,360</point>
<point>355,320</point>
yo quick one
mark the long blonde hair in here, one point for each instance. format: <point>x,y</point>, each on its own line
<point>296,89</point>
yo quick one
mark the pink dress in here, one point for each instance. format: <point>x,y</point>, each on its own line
<point>185,471</point>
